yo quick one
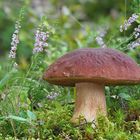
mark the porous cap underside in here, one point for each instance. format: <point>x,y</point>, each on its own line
<point>99,65</point>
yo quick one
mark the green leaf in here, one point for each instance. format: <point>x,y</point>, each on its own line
<point>17,118</point>
<point>6,78</point>
<point>31,115</point>
<point>124,96</point>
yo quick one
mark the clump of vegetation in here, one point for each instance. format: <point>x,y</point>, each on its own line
<point>30,108</point>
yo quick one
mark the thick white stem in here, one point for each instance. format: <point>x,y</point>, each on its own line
<point>90,101</point>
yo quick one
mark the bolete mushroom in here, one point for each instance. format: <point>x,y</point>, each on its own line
<point>90,70</point>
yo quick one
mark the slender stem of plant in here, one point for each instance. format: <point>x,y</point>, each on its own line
<point>30,67</point>
<point>32,62</point>
<point>138,6</point>
<point>125,41</point>
<point>125,12</point>
<point>78,21</point>
<point>12,104</point>
<point>13,127</point>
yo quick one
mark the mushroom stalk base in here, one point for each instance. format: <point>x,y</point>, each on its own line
<point>90,101</point>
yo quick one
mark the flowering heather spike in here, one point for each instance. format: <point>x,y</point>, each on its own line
<point>40,41</point>
<point>52,96</point>
<point>134,44</point>
<point>128,23</point>
<point>15,40</point>
<point>137,32</point>
<point>100,42</point>
<point>99,39</point>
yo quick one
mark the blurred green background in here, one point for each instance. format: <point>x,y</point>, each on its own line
<point>76,22</point>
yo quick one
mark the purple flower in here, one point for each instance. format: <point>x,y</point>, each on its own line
<point>40,41</point>
<point>100,42</point>
<point>137,32</point>
<point>52,96</point>
<point>99,39</point>
<point>128,23</point>
<point>134,44</point>
<point>15,40</point>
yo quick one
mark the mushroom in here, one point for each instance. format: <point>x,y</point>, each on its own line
<point>90,70</point>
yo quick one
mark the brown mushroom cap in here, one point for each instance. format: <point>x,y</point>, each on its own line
<point>98,65</point>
